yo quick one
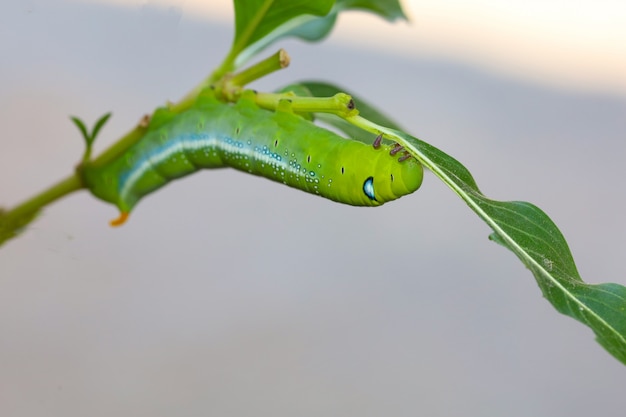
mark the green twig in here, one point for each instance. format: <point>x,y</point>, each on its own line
<point>230,85</point>
<point>369,126</point>
<point>340,104</point>
<point>14,220</point>
<point>58,190</point>
<point>259,70</point>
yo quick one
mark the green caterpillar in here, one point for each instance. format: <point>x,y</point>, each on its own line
<point>281,146</point>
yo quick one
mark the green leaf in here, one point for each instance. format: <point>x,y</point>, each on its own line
<point>90,138</point>
<point>318,28</point>
<point>520,227</point>
<point>389,10</point>
<point>99,124</point>
<point>531,235</point>
<point>259,23</point>
<point>83,129</point>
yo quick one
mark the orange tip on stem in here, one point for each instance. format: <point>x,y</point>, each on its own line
<point>120,220</point>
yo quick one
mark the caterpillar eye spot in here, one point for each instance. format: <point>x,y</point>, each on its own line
<point>276,143</point>
<point>391,177</point>
<point>342,170</point>
<point>368,188</point>
<point>308,158</point>
<point>237,131</point>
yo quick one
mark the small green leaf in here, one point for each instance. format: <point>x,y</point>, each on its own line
<point>90,138</point>
<point>83,129</point>
<point>99,124</point>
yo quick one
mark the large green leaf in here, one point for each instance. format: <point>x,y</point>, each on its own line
<point>520,227</point>
<point>259,23</point>
<point>529,233</point>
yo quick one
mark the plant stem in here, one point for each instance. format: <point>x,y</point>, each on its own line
<point>340,104</point>
<point>367,125</point>
<point>58,190</point>
<point>15,219</point>
<point>270,64</point>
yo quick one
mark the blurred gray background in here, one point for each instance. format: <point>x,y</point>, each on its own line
<point>227,294</point>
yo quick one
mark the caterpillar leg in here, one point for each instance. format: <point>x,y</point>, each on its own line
<point>396,148</point>
<point>405,156</point>
<point>120,220</point>
<point>399,148</point>
<point>378,141</point>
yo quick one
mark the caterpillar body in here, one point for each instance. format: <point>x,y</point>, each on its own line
<point>281,146</point>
